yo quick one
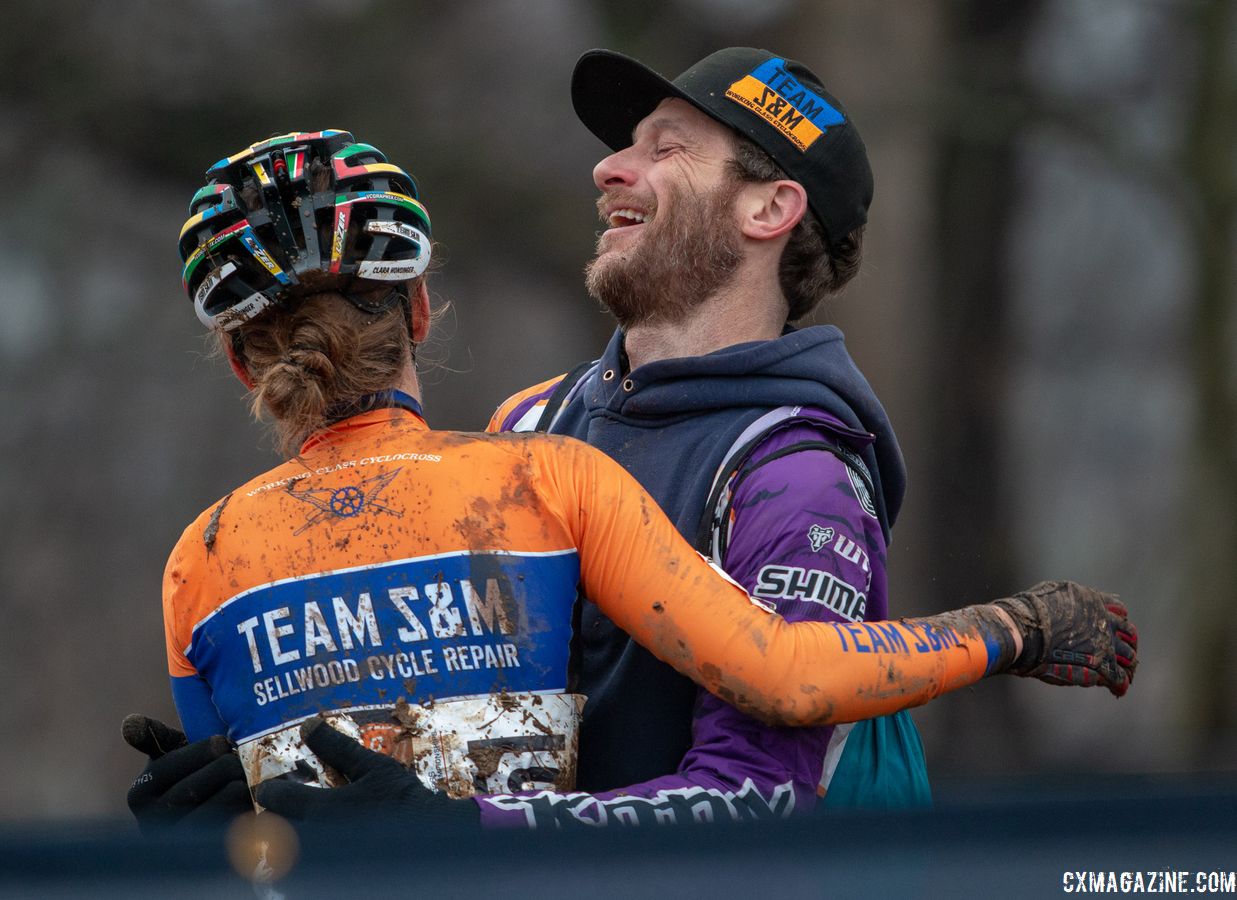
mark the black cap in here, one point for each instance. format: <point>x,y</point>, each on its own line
<point>776,102</point>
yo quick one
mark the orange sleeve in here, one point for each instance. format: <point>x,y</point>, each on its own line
<point>180,577</point>
<point>643,575</point>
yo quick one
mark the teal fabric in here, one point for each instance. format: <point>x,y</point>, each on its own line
<point>882,767</point>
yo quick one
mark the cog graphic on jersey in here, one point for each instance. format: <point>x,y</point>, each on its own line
<point>345,502</point>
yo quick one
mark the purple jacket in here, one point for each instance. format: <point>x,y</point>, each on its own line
<point>803,535</point>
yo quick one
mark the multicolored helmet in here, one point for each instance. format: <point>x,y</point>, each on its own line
<point>367,223</point>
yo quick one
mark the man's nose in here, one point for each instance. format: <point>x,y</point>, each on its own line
<point>616,170</point>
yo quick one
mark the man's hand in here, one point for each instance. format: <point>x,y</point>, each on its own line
<point>1073,634</point>
<point>378,785</point>
<point>195,784</point>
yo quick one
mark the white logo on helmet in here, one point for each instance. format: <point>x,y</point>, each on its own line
<point>401,229</point>
<point>401,269</point>
<point>244,311</point>
<point>209,284</point>
<point>233,315</point>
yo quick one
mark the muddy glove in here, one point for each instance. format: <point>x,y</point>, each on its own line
<point>1073,634</point>
<point>378,786</point>
<point>196,784</point>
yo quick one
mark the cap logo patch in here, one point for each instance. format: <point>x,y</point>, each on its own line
<point>777,97</point>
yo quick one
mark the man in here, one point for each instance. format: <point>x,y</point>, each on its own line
<point>735,201</point>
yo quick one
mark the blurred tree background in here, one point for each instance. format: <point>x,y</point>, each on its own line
<point>1046,309</point>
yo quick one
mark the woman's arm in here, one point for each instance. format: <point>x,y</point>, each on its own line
<point>648,580</point>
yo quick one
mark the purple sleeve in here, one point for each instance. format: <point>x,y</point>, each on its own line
<point>800,537</point>
<point>522,411</point>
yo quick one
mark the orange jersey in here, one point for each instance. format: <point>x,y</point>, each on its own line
<point>393,561</point>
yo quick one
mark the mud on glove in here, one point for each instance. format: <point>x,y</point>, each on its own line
<point>1072,634</point>
<point>377,786</point>
<point>196,784</point>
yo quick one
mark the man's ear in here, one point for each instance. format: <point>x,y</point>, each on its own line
<point>771,209</point>
<point>419,300</point>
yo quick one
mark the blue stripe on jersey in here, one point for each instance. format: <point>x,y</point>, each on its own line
<point>993,644</point>
<point>452,625</point>
<point>198,716</point>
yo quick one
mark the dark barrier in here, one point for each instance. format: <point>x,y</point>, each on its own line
<point>1010,839</point>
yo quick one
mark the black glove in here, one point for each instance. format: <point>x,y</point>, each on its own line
<point>1072,634</point>
<point>378,785</point>
<point>196,784</point>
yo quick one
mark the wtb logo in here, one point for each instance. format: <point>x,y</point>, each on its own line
<point>819,536</point>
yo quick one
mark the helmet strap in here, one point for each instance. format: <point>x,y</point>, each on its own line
<point>238,367</point>
<point>395,295</point>
<point>406,309</point>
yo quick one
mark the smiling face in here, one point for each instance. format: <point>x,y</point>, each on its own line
<point>667,201</point>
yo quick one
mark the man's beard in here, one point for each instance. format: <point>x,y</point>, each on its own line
<point>687,253</point>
